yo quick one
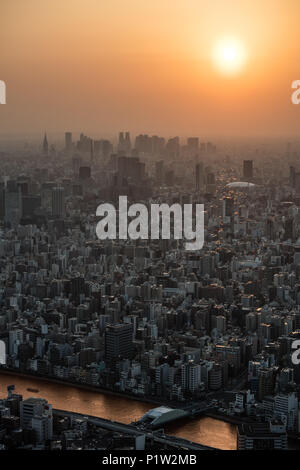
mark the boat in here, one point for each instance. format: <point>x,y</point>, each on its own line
<point>33,390</point>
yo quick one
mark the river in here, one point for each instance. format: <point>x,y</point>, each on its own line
<point>206,431</point>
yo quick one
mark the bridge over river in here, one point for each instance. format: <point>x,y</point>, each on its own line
<point>163,415</point>
<point>155,436</point>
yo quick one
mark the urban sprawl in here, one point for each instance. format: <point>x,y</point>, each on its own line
<point>208,331</point>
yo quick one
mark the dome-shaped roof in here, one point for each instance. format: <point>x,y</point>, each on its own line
<point>240,184</point>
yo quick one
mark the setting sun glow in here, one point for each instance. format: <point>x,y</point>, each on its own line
<point>229,56</point>
<point>152,67</point>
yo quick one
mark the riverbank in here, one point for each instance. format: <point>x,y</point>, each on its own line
<point>91,388</point>
<point>227,418</point>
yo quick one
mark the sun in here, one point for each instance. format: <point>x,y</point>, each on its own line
<point>229,56</point>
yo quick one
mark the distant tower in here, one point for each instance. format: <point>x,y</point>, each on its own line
<point>58,202</point>
<point>68,141</point>
<point>45,145</point>
<point>121,142</point>
<point>193,145</point>
<point>124,142</point>
<point>127,142</point>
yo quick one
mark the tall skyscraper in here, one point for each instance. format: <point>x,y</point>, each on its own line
<point>190,376</point>
<point>118,341</point>
<point>84,144</point>
<point>68,141</point>
<point>45,145</point>
<point>265,382</point>
<point>127,142</point>
<point>58,202</point>
<point>173,148</point>
<point>143,143</point>
<point>158,145</point>
<point>124,145</point>
<point>193,145</point>
<point>121,142</point>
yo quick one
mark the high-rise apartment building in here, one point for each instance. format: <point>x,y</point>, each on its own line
<point>190,376</point>
<point>118,341</point>
<point>58,202</point>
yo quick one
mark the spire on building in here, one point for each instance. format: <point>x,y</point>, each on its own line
<point>45,145</point>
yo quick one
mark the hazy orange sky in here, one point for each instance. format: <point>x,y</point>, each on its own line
<point>147,66</point>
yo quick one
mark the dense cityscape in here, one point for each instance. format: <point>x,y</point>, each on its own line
<point>192,332</point>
